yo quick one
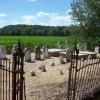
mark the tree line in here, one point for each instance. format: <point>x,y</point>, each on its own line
<point>37,30</point>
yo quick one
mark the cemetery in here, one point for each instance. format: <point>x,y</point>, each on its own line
<point>50,50</point>
<point>47,69</point>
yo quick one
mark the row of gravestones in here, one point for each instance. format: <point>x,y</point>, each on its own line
<point>37,52</point>
<point>45,54</point>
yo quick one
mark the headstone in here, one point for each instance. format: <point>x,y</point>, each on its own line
<point>68,55</point>
<point>25,50</point>
<point>3,53</point>
<point>37,52</point>
<point>61,59</point>
<point>15,47</point>
<point>96,50</point>
<point>45,52</point>
<point>58,45</point>
<point>27,55</point>
<point>79,47</point>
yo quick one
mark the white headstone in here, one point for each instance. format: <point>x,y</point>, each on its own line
<point>61,59</point>
<point>27,55</point>
<point>45,52</point>
<point>58,45</point>
<point>68,55</point>
<point>79,47</point>
<point>96,50</point>
<point>15,46</point>
<point>3,53</point>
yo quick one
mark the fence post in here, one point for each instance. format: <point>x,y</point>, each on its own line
<point>73,74</point>
<point>17,76</point>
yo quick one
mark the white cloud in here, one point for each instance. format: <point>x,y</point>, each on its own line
<point>44,18</point>
<point>60,20</point>
<point>32,0</point>
<point>28,19</point>
<point>3,14</point>
<point>55,19</point>
<point>40,14</point>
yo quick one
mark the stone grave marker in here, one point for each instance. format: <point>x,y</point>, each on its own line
<point>37,51</point>
<point>27,55</point>
<point>79,47</point>
<point>45,52</point>
<point>61,59</point>
<point>68,55</point>
<point>96,50</point>
<point>58,45</point>
<point>15,46</point>
<point>3,53</point>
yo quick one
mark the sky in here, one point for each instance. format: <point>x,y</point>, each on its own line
<point>35,12</point>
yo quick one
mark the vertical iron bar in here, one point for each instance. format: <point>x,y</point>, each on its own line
<point>21,79</point>
<point>3,80</point>
<point>9,79</point>
<point>14,78</point>
<point>6,77</point>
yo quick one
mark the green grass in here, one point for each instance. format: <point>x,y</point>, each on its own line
<point>32,41</point>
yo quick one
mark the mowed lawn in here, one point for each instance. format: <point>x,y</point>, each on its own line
<point>32,41</point>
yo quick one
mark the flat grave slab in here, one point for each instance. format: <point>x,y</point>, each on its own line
<point>54,52</point>
<point>82,54</point>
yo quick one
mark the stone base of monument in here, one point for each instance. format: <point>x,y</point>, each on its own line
<point>55,52</point>
<point>82,54</point>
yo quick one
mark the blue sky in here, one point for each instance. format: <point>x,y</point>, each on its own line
<point>39,12</point>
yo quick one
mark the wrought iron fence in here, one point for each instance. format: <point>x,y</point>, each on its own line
<point>12,82</point>
<point>84,76</point>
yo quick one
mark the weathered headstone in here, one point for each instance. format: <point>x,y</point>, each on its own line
<point>45,52</point>
<point>3,53</point>
<point>27,55</point>
<point>96,50</point>
<point>15,47</point>
<point>68,55</point>
<point>37,51</point>
<point>61,59</point>
<point>79,47</point>
<point>58,45</point>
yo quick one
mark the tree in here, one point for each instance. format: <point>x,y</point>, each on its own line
<point>86,13</point>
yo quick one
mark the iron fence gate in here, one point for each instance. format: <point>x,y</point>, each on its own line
<point>5,79</point>
<point>12,82</point>
<point>84,76</point>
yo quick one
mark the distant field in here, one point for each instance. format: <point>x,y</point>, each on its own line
<point>32,41</point>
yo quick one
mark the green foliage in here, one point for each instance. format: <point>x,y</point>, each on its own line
<point>87,14</point>
<point>30,41</point>
<point>34,30</point>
